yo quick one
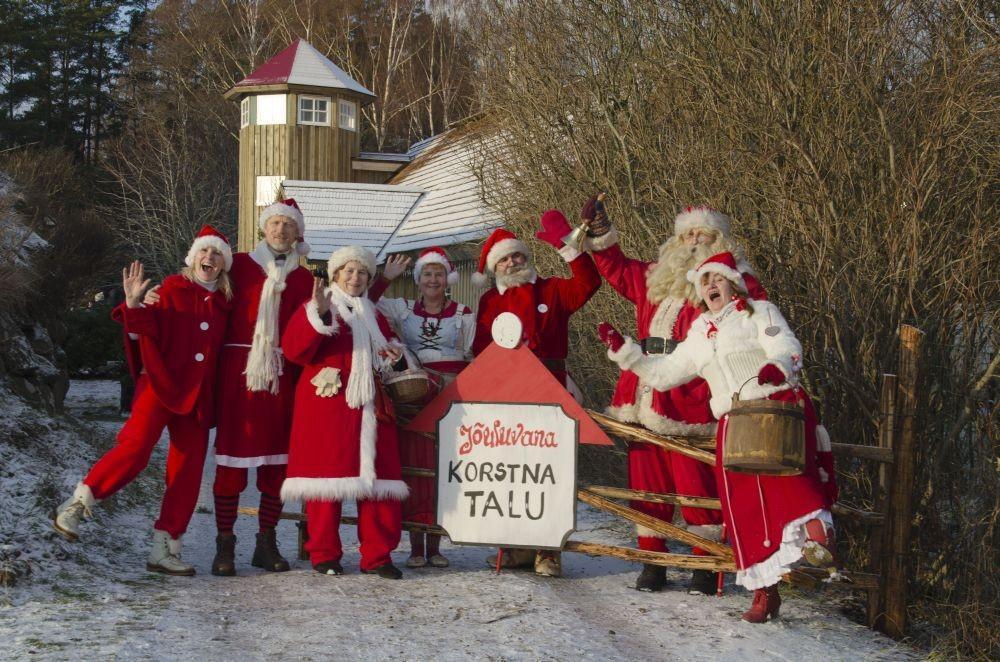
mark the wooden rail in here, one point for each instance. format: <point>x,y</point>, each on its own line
<point>636,433</point>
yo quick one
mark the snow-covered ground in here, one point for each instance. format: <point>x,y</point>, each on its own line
<point>95,599</point>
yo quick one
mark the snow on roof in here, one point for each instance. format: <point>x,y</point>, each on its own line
<point>342,214</point>
<point>453,210</point>
<point>301,64</point>
<point>384,156</point>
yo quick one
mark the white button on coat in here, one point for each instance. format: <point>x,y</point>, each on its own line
<point>542,308</point>
<point>204,326</point>
<point>199,357</point>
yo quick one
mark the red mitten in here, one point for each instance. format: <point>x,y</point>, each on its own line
<point>770,374</point>
<point>610,336</point>
<point>554,228</point>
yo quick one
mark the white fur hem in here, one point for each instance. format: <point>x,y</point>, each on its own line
<point>312,313</point>
<point>604,242</point>
<point>711,532</point>
<point>793,537</point>
<point>568,253</point>
<point>84,493</point>
<point>342,489</point>
<point>823,444</point>
<point>250,462</point>
<point>642,413</point>
<point>644,532</point>
<point>626,355</point>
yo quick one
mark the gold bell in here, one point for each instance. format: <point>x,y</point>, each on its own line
<point>578,237</point>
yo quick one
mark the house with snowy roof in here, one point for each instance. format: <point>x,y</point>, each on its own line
<point>300,138</point>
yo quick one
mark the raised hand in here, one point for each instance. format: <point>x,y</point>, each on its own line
<point>554,228</point>
<point>320,297</point>
<point>610,336</point>
<point>395,266</point>
<point>134,282</point>
<point>770,374</point>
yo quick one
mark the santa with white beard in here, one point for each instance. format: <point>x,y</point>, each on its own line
<point>664,311</point>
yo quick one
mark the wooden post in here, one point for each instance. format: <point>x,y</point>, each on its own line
<point>887,429</point>
<point>899,518</point>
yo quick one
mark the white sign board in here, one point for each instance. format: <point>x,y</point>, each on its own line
<point>507,474</point>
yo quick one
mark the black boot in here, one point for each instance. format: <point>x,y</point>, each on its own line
<point>224,563</point>
<point>266,554</point>
<point>387,571</point>
<point>652,579</point>
<point>329,568</point>
<point>702,582</point>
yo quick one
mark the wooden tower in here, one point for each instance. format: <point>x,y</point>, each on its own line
<point>299,119</point>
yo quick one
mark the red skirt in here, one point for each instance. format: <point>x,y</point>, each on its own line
<point>419,451</point>
<point>756,508</point>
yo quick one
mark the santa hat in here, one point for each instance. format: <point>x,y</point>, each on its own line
<point>434,255</point>
<point>498,245</point>
<point>701,217</point>
<point>288,208</point>
<point>342,256</point>
<point>720,263</point>
<point>210,237</point>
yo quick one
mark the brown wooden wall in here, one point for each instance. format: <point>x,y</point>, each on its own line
<point>316,153</point>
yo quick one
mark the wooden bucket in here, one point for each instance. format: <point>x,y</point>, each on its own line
<point>407,387</point>
<point>765,437</point>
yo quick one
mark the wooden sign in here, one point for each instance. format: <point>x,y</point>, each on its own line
<point>507,474</point>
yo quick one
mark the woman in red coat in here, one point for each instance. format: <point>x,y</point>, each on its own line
<point>343,443</point>
<point>172,347</point>
<point>739,345</point>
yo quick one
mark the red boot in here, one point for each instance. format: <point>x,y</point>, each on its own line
<point>766,603</point>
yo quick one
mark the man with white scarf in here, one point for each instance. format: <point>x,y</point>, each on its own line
<point>343,443</point>
<point>256,386</point>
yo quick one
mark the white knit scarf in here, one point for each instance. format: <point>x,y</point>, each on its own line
<point>359,314</point>
<point>264,365</point>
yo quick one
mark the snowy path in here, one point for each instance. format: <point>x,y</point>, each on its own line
<point>99,601</point>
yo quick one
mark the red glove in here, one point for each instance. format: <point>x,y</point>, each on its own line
<point>554,228</point>
<point>610,336</point>
<point>770,374</point>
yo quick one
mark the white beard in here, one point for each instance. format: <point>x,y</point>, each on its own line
<point>515,277</point>
<point>667,277</point>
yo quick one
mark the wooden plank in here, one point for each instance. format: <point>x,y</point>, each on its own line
<point>874,453</point>
<point>863,516</point>
<point>677,444</point>
<point>887,430</point>
<point>654,497</point>
<point>899,515</point>
<point>654,558</point>
<point>661,527</point>
<point>416,471</point>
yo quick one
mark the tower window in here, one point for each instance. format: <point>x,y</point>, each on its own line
<point>314,110</point>
<point>245,112</point>
<point>271,109</point>
<point>348,115</point>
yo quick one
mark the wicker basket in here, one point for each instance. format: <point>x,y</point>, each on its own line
<point>407,387</point>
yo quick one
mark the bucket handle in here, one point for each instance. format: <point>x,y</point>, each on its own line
<point>736,396</point>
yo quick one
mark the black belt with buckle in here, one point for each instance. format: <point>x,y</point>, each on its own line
<point>656,345</point>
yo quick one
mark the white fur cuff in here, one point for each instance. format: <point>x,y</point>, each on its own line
<point>312,313</point>
<point>645,532</point>
<point>569,253</point>
<point>626,355</point>
<point>603,242</point>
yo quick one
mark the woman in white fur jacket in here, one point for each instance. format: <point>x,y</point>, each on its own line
<point>772,521</point>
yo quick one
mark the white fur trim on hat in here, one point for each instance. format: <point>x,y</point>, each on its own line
<point>215,242</point>
<point>434,258</point>
<point>302,248</point>
<point>479,279</point>
<point>342,256</point>
<point>701,217</point>
<point>694,275</point>
<point>502,249</point>
<point>281,209</point>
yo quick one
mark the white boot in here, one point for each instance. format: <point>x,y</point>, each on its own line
<point>72,511</point>
<point>165,556</point>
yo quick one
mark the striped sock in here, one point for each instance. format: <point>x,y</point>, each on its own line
<point>270,511</point>
<point>225,512</point>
